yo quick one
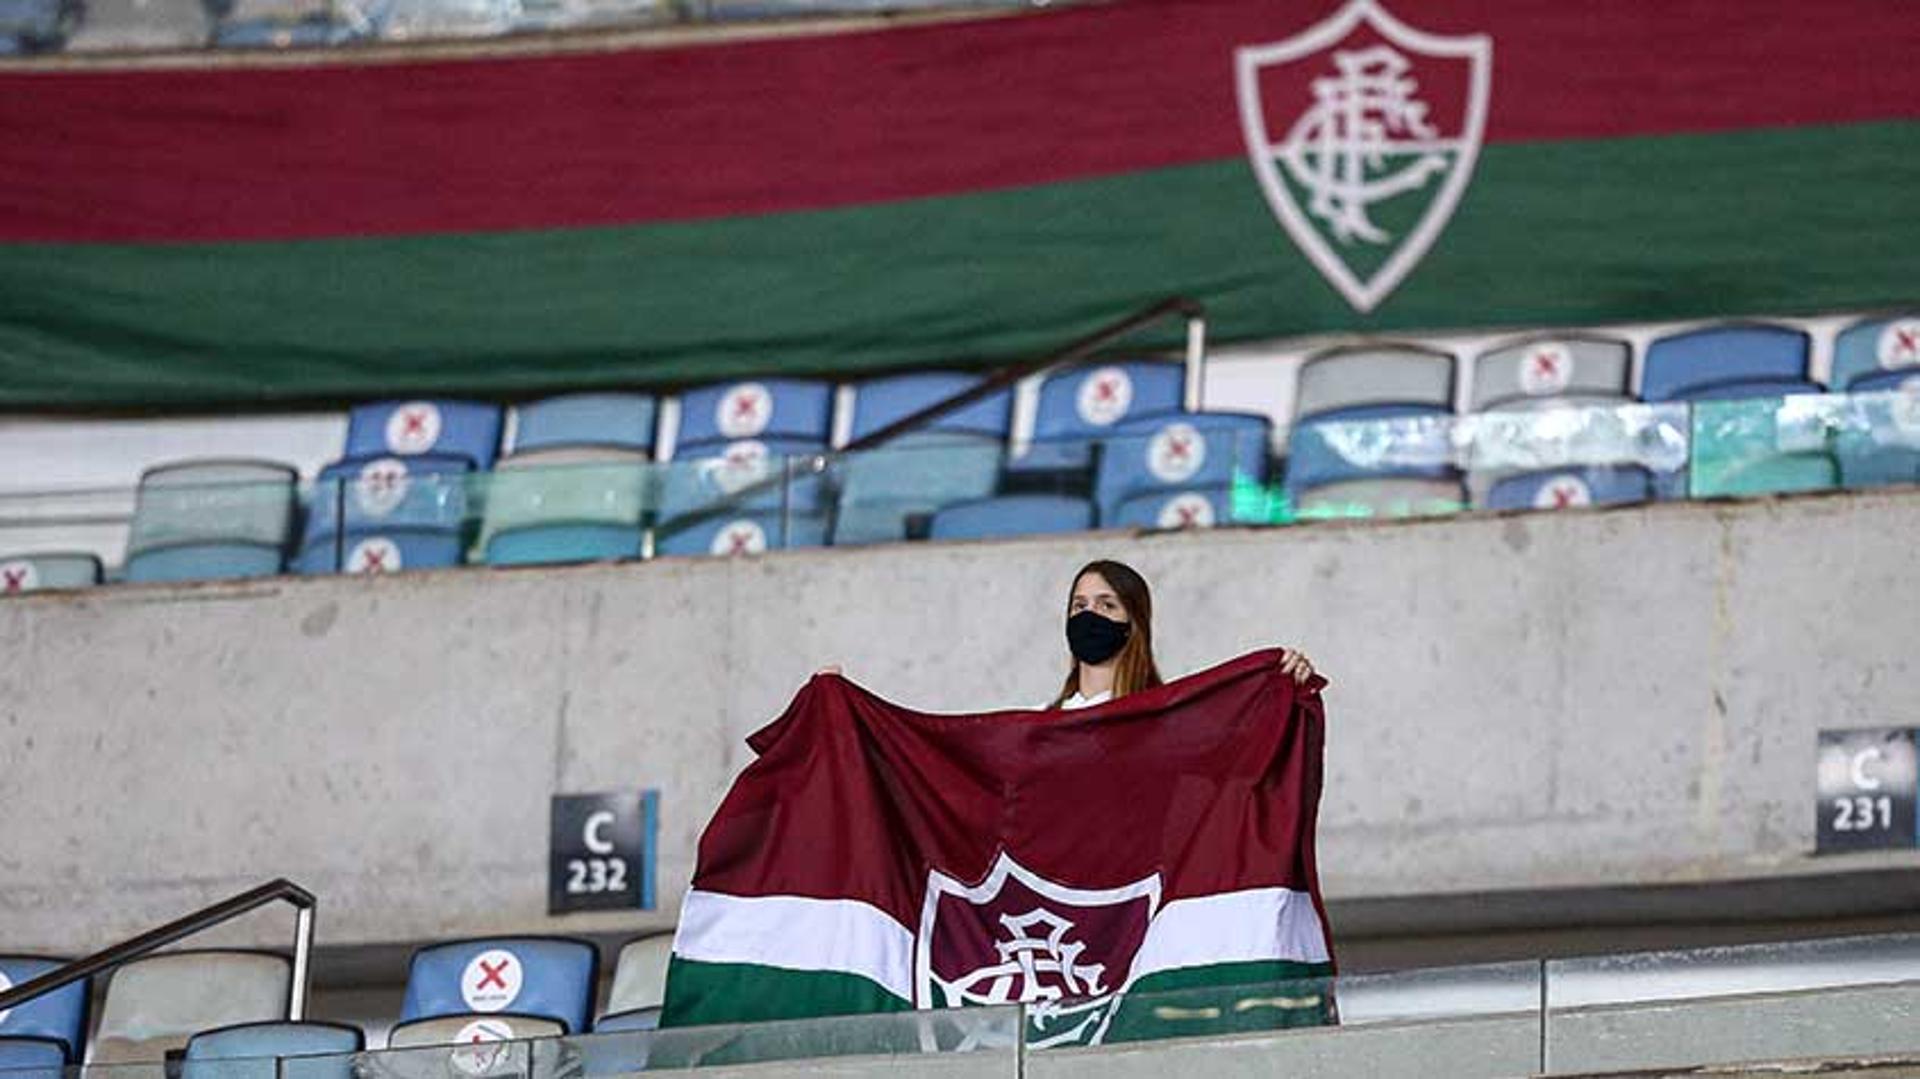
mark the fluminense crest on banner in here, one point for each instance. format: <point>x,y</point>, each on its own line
<point>1364,133</point>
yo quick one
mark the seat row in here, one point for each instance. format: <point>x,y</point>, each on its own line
<point>224,1005</point>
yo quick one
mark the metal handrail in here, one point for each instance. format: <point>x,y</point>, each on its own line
<point>206,918</point>
<point>1193,311</point>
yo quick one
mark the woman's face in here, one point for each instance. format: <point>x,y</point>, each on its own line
<point>1092,593</point>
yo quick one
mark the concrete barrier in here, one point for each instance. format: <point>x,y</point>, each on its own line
<point>1618,698</point>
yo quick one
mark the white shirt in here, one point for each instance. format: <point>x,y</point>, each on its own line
<point>1078,701</point>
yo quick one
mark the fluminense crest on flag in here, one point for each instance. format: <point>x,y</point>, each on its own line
<point>1364,133</point>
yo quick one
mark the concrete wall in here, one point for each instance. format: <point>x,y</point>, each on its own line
<point>1626,697</point>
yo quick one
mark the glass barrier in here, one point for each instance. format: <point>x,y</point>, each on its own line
<point>227,519</point>
<point>1814,999</point>
<point>109,25</point>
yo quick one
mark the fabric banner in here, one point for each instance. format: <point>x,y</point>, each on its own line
<point>873,858</point>
<point>964,191</point>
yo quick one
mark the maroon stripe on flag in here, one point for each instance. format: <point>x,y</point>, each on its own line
<point>810,122</point>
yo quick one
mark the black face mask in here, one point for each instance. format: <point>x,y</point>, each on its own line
<point>1095,639</point>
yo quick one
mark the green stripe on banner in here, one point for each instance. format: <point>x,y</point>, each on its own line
<point>1759,222</point>
<point>1229,998</point>
<point>703,993</point>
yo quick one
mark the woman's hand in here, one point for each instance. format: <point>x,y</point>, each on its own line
<point>833,669</point>
<point>1296,666</point>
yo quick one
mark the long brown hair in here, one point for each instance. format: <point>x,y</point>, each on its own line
<point>1135,669</point>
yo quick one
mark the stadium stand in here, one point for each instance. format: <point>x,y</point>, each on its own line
<point>469,429</point>
<point>1559,372</point>
<point>153,1006</point>
<point>736,436</point>
<point>887,493</point>
<point>362,510</point>
<point>205,520</point>
<point>1153,463</point>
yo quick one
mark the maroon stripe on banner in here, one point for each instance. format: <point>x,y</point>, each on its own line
<point>820,121</point>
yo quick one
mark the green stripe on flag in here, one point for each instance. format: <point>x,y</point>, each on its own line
<point>1758,222</point>
<point>1227,998</point>
<point>703,993</point>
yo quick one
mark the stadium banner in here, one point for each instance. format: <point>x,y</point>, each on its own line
<point>958,191</point>
<point>875,859</point>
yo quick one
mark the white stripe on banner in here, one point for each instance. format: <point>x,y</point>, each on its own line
<point>1232,927</point>
<point>844,936</point>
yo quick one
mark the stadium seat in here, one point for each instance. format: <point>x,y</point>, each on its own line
<point>1165,455</point>
<point>1202,507</point>
<point>1727,362</point>
<point>468,429</point>
<point>549,978</point>
<point>1761,446</point>
<point>199,520</point>
<point>1365,375</point>
<point>1079,405</point>
<point>742,534</point>
<point>1553,371</point>
<point>1880,443</point>
<point>567,505</point>
<point>1012,515</point>
<point>255,1051</point>
<point>639,985</point>
<point>388,550</point>
<point>31,26</point>
<point>1873,350</point>
<point>1378,498</point>
<point>616,421</point>
<point>32,1058</point>
<point>58,1018</point>
<point>1371,412</point>
<point>472,1029</point>
<point>37,572</point>
<point>154,1005</point>
<point>429,491</point>
<point>955,458</point>
<point>316,31</point>
<point>775,409</point>
<point>1554,489</point>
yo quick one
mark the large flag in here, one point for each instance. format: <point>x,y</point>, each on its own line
<point>878,859</point>
<point>971,190</point>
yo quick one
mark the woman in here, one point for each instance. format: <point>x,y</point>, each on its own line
<point>1110,636</point>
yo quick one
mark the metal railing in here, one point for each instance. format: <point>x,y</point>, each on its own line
<point>226,910</point>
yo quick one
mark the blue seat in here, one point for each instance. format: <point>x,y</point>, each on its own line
<point>377,550</point>
<point>782,409</point>
<point>637,1019</point>
<point>1570,488</point>
<point>546,977</point>
<point>428,491</point>
<point>28,26</point>
<point>59,1017</point>
<point>555,544</point>
<point>1179,452</point>
<point>468,429</point>
<point>1727,362</point>
<point>1012,515</point>
<point>741,534</point>
<point>1370,442</point>
<point>622,421</point>
<point>203,562</point>
<point>211,518</point>
<point>49,569</point>
<point>1200,507</point>
<point>1876,351</point>
<point>256,1051</point>
<point>955,458</point>
<point>314,32</point>
<point>1078,406</point>
<point>32,1058</point>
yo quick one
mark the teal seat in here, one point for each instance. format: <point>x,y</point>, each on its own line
<point>567,505</point>
<point>914,475</point>
<point>203,562</point>
<point>1762,446</point>
<point>196,520</point>
<point>540,545</point>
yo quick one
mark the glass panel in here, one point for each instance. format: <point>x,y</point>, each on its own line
<point>1767,445</point>
<point>1715,1005</point>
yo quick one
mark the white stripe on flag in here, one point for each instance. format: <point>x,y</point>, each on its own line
<point>792,932</point>
<point>1232,927</point>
